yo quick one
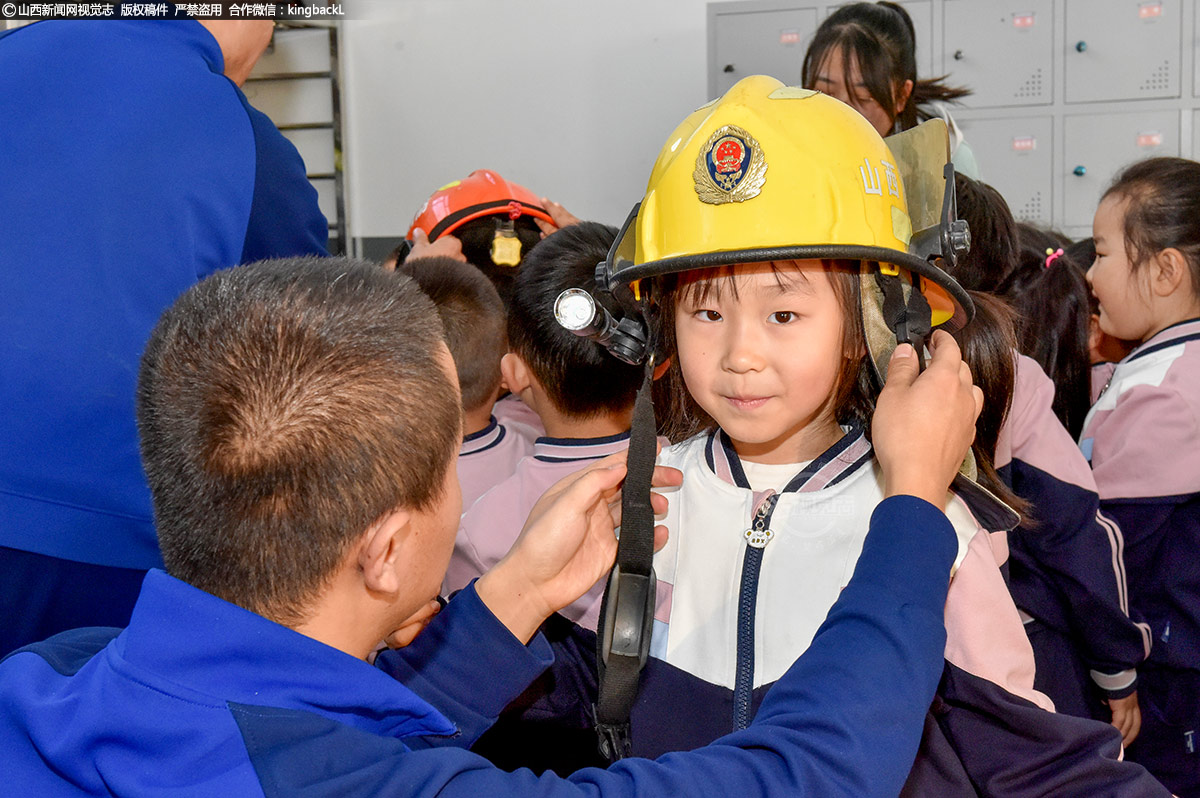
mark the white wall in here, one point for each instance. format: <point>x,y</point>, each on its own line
<point>570,98</point>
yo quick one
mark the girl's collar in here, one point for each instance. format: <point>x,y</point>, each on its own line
<point>1178,333</point>
<point>833,465</point>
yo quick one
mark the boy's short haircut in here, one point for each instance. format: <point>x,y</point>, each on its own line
<point>474,321</point>
<point>283,408</point>
<point>580,377</point>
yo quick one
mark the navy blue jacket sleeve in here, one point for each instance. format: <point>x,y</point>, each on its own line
<point>285,218</point>
<point>1070,564</point>
<point>1162,536</point>
<point>467,665</point>
<point>846,719</point>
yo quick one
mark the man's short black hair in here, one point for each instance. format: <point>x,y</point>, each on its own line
<point>283,408</point>
<point>580,377</point>
<point>474,321</point>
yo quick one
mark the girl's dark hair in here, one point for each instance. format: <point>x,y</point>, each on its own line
<point>1163,210</point>
<point>1052,303</point>
<point>993,252</point>
<point>987,347</point>
<point>880,38</point>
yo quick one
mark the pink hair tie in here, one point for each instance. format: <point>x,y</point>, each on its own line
<point>1051,256</point>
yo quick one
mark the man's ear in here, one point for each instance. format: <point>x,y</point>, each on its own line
<point>515,373</point>
<point>378,554</point>
<point>1169,271</point>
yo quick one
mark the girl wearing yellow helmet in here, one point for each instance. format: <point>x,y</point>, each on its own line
<point>776,266</point>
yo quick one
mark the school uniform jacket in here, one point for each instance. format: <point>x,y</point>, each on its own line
<point>746,578</point>
<point>1066,568</point>
<point>490,527</point>
<point>199,697</point>
<point>490,456</point>
<point>1142,438</point>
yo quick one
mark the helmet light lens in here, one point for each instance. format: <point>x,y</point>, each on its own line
<point>575,309</point>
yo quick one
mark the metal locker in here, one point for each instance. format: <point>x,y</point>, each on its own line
<point>1000,49</point>
<point>1016,158</point>
<point>1195,43</point>
<point>757,39</point>
<point>1195,136</point>
<point>1122,49</point>
<point>1096,146</point>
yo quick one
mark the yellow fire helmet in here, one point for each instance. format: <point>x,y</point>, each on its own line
<point>773,172</point>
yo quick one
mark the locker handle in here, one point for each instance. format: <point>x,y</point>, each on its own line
<point>1080,46</point>
<point>728,68</point>
<point>1079,171</point>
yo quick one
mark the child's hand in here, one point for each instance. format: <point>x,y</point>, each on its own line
<point>561,216</point>
<point>1126,717</point>
<point>446,246</point>
<point>567,546</point>
<point>923,425</point>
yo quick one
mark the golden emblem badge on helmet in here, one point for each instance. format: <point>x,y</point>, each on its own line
<point>731,167</point>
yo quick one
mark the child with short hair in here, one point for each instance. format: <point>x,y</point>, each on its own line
<point>583,396</point>
<point>496,221</point>
<point>474,322</point>
<point>1142,438</point>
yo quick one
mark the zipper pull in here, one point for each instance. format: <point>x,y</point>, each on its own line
<point>759,534</point>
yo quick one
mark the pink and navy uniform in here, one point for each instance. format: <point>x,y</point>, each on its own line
<point>750,571</point>
<point>1143,440</point>
<point>549,727</point>
<point>1066,568</point>
<point>490,527</point>
<point>754,561</point>
<point>490,456</point>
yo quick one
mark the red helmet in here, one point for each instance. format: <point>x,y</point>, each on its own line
<point>482,193</point>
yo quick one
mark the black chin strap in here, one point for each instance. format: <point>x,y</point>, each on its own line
<point>627,611</point>
<point>909,320</point>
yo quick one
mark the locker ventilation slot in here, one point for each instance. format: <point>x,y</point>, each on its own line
<point>1159,80</point>
<point>1031,211</point>
<point>1031,88</point>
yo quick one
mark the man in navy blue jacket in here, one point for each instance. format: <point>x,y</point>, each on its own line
<point>299,423</point>
<point>133,167</point>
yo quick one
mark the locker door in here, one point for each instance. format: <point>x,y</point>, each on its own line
<point>1016,158</point>
<point>1195,66</point>
<point>1002,49</point>
<point>759,43</point>
<point>1096,146</point>
<point>1122,49</point>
